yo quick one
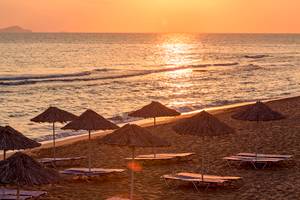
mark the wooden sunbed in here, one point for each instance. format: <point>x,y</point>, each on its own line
<point>195,175</point>
<point>265,155</point>
<point>93,172</point>
<point>60,160</point>
<point>162,156</point>
<point>13,197</point>
<point>24,194</point>
<point>253,160</point>
<point>194,180</point>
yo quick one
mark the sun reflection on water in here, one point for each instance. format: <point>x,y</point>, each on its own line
<point>177,51</point>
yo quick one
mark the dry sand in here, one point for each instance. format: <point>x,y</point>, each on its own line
<point>277,182</point>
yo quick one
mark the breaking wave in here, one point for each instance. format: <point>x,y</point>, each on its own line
<point>97,74</point>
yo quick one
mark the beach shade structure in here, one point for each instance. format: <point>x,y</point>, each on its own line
<point>54,115</point>
<point>90,121</point>
<point>22,170</point>
<point>202,124</point>
<point>133,136</point>
<point>11,139</point>
<point>258,112</point>
<point>153,110</point>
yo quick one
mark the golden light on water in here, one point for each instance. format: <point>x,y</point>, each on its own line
<point>174,53</point>
<point>175,49</point>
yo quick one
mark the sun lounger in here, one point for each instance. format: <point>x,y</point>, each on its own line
<point>93,172</point>
<point>195,175</point>
<point>253,160</point>
<point>162,156</point>
<point>24,194</point>
<point>174,155</point>
<point>59,160</point>
<point>195,180</point>
<point>265,155</point>
<point>13,197</point>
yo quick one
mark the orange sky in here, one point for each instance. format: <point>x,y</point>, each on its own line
<point>153,15</point>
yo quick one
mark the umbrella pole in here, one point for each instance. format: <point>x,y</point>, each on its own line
<point>256,142</point>
<point>4,154</point>
<point>18,192</point>
<point>132,175</point>
<point>90,161</point>
<point>202,160</point>
<point>154,152</point>
<point>53,140</point>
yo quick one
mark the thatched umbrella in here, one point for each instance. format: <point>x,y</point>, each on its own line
<point>201,125</point>
<point>20,169</point>
<point>153,110</point>
<point>53,115</point>
<point>90,121</point>
<point>11,139</point>
<point>133,136</point>
<point>258,112</point>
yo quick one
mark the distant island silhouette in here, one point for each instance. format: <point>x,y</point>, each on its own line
<point>14,29</point>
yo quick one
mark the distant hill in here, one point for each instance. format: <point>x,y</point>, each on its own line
<point>14,29</point>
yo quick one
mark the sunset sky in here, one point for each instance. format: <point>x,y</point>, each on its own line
<point>257,16</point>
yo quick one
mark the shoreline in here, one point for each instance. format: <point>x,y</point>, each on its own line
<point>143,122</point>
<point>149,122</point>
<point>271,137</point>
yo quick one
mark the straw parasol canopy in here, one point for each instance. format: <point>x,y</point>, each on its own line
<point>20,169</point>
<point>201,125</point>
<point>11,139</point>
<point>258,112</point>
<point>53,115</point>
<point>90,121</point>
<point>153,110</point>
<point>133,136</point>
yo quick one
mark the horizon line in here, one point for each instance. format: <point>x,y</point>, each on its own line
<point>157,32</point>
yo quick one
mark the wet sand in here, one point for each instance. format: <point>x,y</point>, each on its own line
<point>278,182</point>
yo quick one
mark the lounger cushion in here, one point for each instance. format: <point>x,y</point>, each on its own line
<point>13,197</point>
<point>191,179</point>
<point>50,160</point>
<point>265,155</point>
<point>162,156</point>
<point>94,171</point>
<point>22,192</point>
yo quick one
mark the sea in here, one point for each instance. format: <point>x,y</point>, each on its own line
<point>115,73</point>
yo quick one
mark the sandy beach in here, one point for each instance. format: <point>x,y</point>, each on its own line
<point>150,100</point>
<point>278,182</point>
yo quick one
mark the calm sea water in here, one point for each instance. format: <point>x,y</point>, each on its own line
<point>117,73</point>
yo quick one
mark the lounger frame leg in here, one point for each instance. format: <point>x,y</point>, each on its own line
<point>206,188</point>
<point>166,182</point>
<point>228,163</point>
<point>253,163</point>
<point>265,165</point>
<point>195,186</point>
<point>240,163</point>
